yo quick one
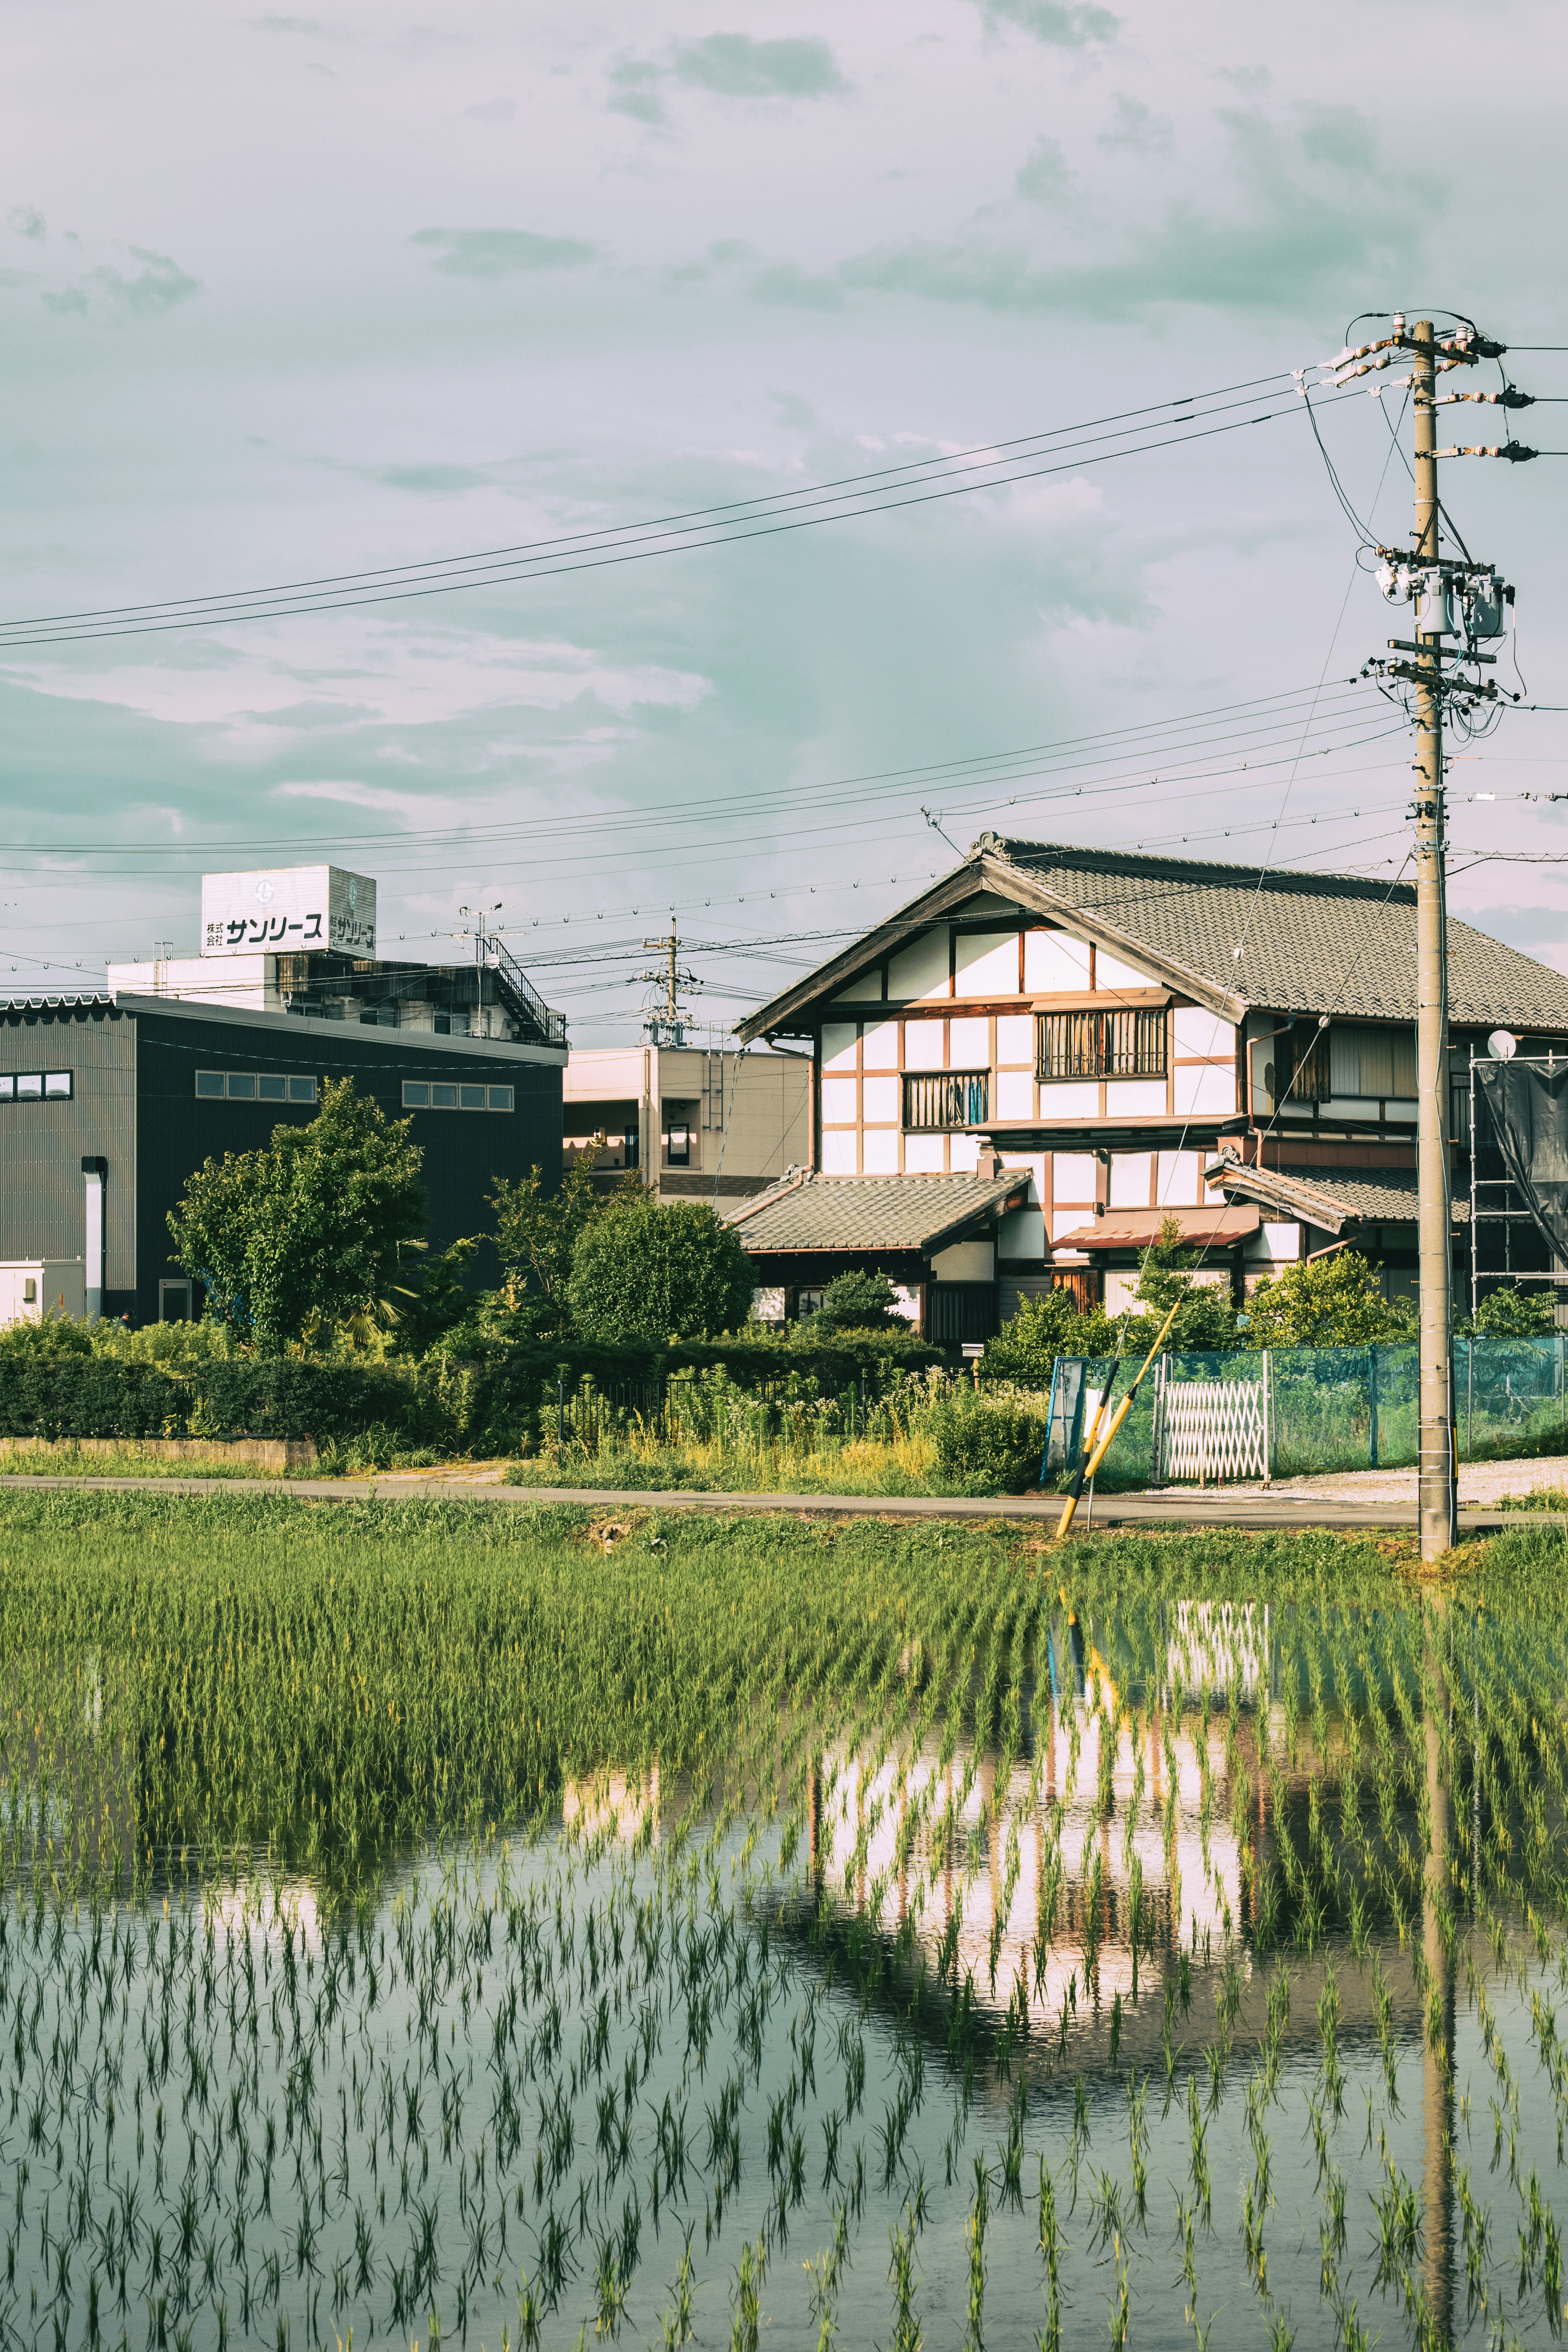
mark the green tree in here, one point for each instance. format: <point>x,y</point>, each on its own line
<point>860,1301</point>
<point>311,1227</point>
<point>1043,1328</point>
<point>1206,1319</point>
<point>644,1272</point>
<point>537,1231</point>
<point>1510,1313</point>
<point>1327,1302</point>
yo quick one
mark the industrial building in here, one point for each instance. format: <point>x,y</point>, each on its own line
<point>108,1102</point>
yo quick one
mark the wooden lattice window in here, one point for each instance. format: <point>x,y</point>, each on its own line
<point>1302,1067</point>
<point>1129,1043</point>
<point>942,1100</point>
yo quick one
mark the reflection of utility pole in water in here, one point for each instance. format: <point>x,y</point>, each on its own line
<point>1438,2057</point>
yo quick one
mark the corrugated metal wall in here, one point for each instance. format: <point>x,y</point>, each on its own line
<point>43,1210</point>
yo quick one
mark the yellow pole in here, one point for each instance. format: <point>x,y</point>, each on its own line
<point>1122,1410</point>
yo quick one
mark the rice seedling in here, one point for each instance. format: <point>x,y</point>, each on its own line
<point>426,1918</point>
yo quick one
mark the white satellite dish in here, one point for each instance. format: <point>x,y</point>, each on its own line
<point>1502,1046</point>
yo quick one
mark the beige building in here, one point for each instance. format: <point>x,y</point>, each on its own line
<point>702,1126</point>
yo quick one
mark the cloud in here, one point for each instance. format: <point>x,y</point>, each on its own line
<point>733,65</point>
<point>27,221</point>
<point>727,65</point>
<point>160,284</point>
<point>501,252</point>
<point>1058,23</point>
<point>432,479</point>
<point>1276,239</point>
<point>1342,138</point>
<point>1043,176</point>
<point>348,793</point>
<point>1134,127</point>
<point>494,110</point>
<point>634,90</point>
<point>796,290</point>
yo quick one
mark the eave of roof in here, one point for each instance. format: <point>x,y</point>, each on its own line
<point>1335,1202</point>
<point>1139,1228</point>
<point>1299,961</point>
<point>930,1220</point>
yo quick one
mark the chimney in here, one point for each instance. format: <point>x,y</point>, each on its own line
<point>985,1166</point>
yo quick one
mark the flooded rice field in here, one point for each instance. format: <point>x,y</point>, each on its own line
<point>1111,1962</point>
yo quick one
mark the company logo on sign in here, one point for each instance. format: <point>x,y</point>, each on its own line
<point>288,908</point>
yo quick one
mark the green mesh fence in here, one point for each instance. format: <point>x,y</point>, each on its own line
<point>1334,1407</point>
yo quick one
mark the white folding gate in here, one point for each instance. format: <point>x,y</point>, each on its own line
<point>1211,1429</point>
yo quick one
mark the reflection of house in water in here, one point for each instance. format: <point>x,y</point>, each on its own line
<point>1125,1805</point>
<point>622,1805</point>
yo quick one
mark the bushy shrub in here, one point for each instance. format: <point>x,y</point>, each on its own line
<point>860,1301</point>
<point>984,1447</point>
<point>653,1272</point>
<point>1510,1313</point>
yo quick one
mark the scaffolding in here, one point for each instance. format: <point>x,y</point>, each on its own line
<point>1498,1209</point>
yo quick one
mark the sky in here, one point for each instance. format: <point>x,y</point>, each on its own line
<point>294,297</point>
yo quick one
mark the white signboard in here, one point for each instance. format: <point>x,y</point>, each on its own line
<point>282,909</point>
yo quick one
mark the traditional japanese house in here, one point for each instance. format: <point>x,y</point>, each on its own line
<point>1117,1029</point>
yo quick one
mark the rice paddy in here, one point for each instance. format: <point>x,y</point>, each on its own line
<point>433,1923</point>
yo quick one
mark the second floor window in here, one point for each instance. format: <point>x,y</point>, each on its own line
<point>941,1099</point>
<point>1128,1044</point>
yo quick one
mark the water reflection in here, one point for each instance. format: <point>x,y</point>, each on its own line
<point>1127,1943</point>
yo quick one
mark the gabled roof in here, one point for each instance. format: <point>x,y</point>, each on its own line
<point>1314,943</point>
<point>807,1211</point>
<point>1329,1198</point>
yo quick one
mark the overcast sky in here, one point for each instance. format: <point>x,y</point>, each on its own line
<point>288,295</point>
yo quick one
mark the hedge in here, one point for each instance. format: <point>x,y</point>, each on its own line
<point>485,1405</point>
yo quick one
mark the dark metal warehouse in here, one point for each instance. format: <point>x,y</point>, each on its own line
<point>108,1104</point>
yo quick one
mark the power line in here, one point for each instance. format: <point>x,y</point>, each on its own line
<point>771,516</point>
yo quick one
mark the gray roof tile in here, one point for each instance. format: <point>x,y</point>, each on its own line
<point>1311,942</point>
<point>807,1211</point>
<point>1366,1195</point>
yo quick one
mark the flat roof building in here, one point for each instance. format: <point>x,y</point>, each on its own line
<point>109,1102</point>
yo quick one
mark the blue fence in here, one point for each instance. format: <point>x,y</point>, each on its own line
<point>1335,1408</point>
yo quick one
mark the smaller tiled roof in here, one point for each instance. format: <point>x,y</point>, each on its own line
<point>1141,1228</point>
<point>808,1212</point>
<point>1329,1198</point>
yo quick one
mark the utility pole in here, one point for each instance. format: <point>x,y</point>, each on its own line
<point>665,1024</point>
<point>1462,599</point>
<point>1436,1485</point>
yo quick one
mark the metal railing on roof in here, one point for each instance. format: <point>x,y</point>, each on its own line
<point>524,1000</point>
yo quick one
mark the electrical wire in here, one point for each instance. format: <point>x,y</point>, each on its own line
<point>768,517</point>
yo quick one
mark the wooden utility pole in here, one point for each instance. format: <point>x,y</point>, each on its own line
<point>1436,1483</point>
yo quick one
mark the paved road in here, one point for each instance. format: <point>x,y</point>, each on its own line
<point>1248,1511</point>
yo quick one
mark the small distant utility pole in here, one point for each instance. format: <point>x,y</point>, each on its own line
<point>1464,600</point>
<point>665,1023</point>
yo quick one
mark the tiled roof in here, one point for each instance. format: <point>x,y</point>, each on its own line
<point>807,1211</point>
<point>1310,942</point>
<point>1330,1198</point>
<point>1139,1228</point>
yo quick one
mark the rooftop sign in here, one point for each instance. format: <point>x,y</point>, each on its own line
<point>280,909</point>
